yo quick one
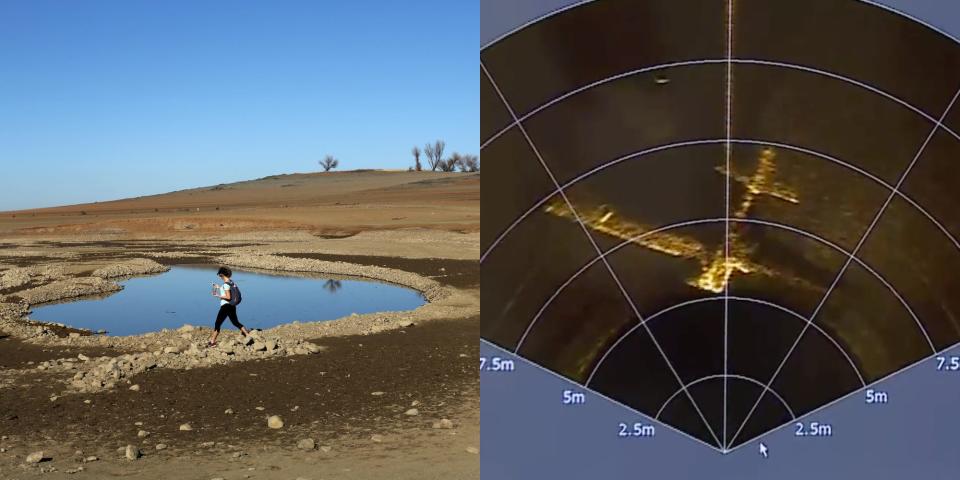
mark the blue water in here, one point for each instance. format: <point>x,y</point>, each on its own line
<point>183,295</point>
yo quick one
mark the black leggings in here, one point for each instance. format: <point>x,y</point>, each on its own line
<point>227,311</point>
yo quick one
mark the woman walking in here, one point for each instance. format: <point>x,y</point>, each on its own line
<point>229,295</point>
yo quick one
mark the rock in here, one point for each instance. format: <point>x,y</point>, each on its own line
<point>171,349</point>
<point>207,444</point>
<point>135,387</point>
<point>185,427</point>
<point>228,411</point>
<point>83,357</point>
<point>186,328</point>
<point>74,335</point>
<point>405,324</point>
<point>413,412</point>
<point>443,423</point>
<point>161,446</point>
<point>376,394</point>
<point>311,348</point>
<point>325,449</point>
<point>271,345</point>
<point>376,438</point>
<point>473,450</point>
<point>91,458</point>
<point>35,457</point>
<point>274,422</point>
<point>259,347</point>
<point>143,434</point>
<point>260,408</point>
<point>306,444</point>
<point>132,452</point>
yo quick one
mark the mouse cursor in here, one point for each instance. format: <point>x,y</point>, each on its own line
<point>764,451</point>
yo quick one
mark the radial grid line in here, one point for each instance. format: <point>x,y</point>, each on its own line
<point>856,249</point>
<point>586,232</point>
<point>601,395</point>
<point>726,236</point>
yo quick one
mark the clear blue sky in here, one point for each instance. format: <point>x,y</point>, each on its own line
<point>109,99</point>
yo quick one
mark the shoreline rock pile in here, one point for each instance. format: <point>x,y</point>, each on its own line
<point>105,373</point>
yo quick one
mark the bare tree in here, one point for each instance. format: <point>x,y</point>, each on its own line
<point>416,157</point>
<point>428,151</point>
<point>451,163</point>
<point>328,163</point>
<point>470,163</point>
<point>434,154</point>
<point>438,147</point>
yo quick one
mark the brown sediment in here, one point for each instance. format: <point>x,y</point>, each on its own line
<point>425,356</point>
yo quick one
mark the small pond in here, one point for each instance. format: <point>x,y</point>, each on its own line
<point>183,295</point>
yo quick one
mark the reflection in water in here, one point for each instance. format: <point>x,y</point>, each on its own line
<point>332,285</point>
<point>717,266</point>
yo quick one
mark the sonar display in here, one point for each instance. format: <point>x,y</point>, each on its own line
<point>719,218</point>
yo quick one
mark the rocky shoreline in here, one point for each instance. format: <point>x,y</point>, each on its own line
<point>185,348</point>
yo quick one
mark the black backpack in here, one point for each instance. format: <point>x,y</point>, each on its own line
<point>235,296</point>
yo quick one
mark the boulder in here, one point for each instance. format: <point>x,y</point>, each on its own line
<point>274,422</point>
<point>443,423</point>
<point>132,452</point>
<point>306,444</point>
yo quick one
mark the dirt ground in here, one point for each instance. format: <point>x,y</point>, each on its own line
<point>352,399</point>
<point>323,205</point>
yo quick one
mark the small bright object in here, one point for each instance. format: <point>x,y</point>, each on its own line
<point>764,451</point>
<point>659,80</point>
